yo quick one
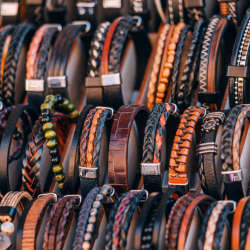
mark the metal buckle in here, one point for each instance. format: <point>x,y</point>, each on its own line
<point>205,113</point>
<point>111,198</point>
<point>229,202</point>
<point>139,21</point>
<point>75,195</point>
<point>111,79</point>
<point>9,9</point>
<point>90,173</point>
<point>144,198</point>
<point>232,176</point>
<point>112,111</point>
<point>86,8</point>
<point>206,148</point>
<point>40,195</point>
<point>151,168</point>
<point>58,26</point>
<point>88,25</point>
<point>34,85</point>
<point>57,81</point>
<point>175,108</point>
<point>185,186</point>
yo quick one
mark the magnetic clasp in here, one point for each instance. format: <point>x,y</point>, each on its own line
<point>237,71</point>
<point>7,213</point>
<point>92,82</point>
<point>193,3</point>
<point>208,97</point>
<point>111,79</point>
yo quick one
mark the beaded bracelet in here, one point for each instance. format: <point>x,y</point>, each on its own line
<point>59,104</point>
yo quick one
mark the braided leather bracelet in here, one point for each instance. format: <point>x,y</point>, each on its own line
<point>216,222</point>
<point>151,166</point>
<point>238,69</point>
<point>208,151</point>
<point>20,33</point>
<point>118,168</point>
<point>182,142</point>
<point>230,152</point>
<point>212,87</point>
<point>228,8</point>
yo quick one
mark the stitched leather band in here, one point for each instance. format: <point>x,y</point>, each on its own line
<point>220,29</point>
<point>230,149</point>
<point>207,152</point>
<point>15,115</point>
<point>240,224</point>
<point>182,142</point>
<point>118,146</point>
<point>112,54</point>
<point>21,32</point>
<point>240,57</point>
<point>34,220</point>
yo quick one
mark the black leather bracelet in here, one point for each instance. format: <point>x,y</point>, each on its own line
<point>176,11</point>
<point>35,12</point>
<point>238,71</point>
<point>207,151</point>
<point>55,12</point>
<point>21,32</point>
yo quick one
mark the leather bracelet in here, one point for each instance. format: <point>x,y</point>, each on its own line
<point>240,60</point>
<point>216,222</point>
<point>112,54</point>
<point>57,79</point>
<point>90,146</point>
<point>18,112</point>
<point>182,142</point>
<point>118,146</point>
<point>34,219</point>
<point>207,151</point>
<point>36,65</point>
<point>240,225</point>
<point>212,87</point>
<point>55,12</point>
<point>35,13</point>
<point>228,8</point>
<point>176,11</point>
<point>152,146</point>
<point>230,152</point>
<point>21,32</point>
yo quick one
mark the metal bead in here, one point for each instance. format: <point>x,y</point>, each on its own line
<point>7,228</point>
<point>92,219</point>
<point>182,86</point>
<point>180,95</point>
<point>55,160</point>
<point>96,204</point>
<point>86,245</point>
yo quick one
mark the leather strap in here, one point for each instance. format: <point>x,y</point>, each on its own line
<point>229,8</point>
<point>6,142</point>
<point>34,219</point>
<point>35,13</point>
<point>176,11</point>
<point>118,146</point>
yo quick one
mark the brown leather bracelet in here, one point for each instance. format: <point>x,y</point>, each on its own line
<point>118,146</point>
<point>34,220</point>
<point>181,145</point>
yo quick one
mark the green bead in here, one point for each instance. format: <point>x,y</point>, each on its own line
<point>49,102</point>
<point>48,126</point>
<point>70,107</point>
<point>60,185</point>
<point>57,169</point>
<point>52,143</point>
<point>64,105</point>
<point>50,134</point>
<point>74,114</point>
<point>51,98</point>
<point>45,106</point>
<point>60,177</point>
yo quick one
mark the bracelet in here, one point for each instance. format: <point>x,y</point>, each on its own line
<point>239,62</point>
<point>228,8</point>
<point>118,169</point>
<point>182,142</point>
<point>212,87</point>
<point>230,153</point>
<point>152,146</point>
<point>176,11</point>
<point>208,151</point>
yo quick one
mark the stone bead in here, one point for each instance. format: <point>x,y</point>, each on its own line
<point>99,197</point>
<point>7,228</point>
<point>45,106</point>
<point>92,219</point>
<point>74,114</point>
<point>60,185</point>
<point>168,65</point>
<point>48,126</point>
<point>85,245</point>
<point>171,52</point>
<point>70,107</point>
<point>160,95</point>
<point>52,143</point>
<point>53,152</point>
<point>172,46</point>
<point>60,177</point>
<point>170,59</point>
<point>87,236</point>
<point>93,212</point>
<point>90,228</point>
<point>49,102</point>
<point>57,169</point>
<point>164,80</point>
<point>180,95</point>
<point>50,134</point>
<point>166,72</point>
<point>64,104</point>
<point>161,87</point>
<point>51,97</point>
<point>96,204</point>
<point>55,160</point>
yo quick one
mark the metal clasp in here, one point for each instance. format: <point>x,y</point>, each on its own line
<point>229,202</point>
<point>46,194</point>
<point>88,25</point>
<point>151,168</point>
<point>86,8</point>
<point>34,85</point>
<point>90,173</point>
<point>139,21</point>
<point>111,197</point>
<point>112,110</point>
<point>232,176</point>
<point>57,81</point>
<point>206,148</point>
<point>204,114</point>
<point>75,196</point>
<point>111,79</point>
<point>185,186</point>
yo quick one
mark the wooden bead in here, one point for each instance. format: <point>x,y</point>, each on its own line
<point>166,72</point>
<point>158,100</point>
<point>171,52</point>
<point>171,59</point>
<point>161,87</point>
<point>160,95</point>
<point>168,65</point>
<point>172,46</point>
<point>164,80</point>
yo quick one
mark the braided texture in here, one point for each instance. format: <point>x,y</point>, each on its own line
<point>35,14</point>
<point>150,133</point>
<point>10,68</point>
<point>43,54</point>
<point>195,15</point>
<point>245,112</point>
<point>227,138</point>
<point>181,145</point>
<point>83,218</point>
<point>244,225</point>
<point>85,136</point>
<point>177,61</point>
